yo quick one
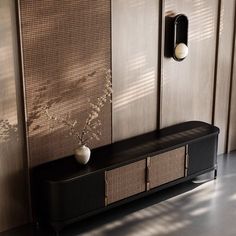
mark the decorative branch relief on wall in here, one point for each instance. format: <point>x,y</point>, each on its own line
<point>66,51</point>
<point>8,131</point>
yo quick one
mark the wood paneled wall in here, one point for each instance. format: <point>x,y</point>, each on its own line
<point>223,71</point>
<point>232,117</point>
<point>66,45</point>
<point>134,67</point>
<point>66,51</point>
<point>14,206</point>
<point>198,88</point>
<point>187,86</point>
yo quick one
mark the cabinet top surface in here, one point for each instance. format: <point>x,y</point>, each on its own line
<point>126,151</point>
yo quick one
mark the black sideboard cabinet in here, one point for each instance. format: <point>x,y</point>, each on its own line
<point>65,192</point>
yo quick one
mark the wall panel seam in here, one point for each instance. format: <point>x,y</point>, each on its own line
<point>216,60</point>
<point>233,56</point>
<point>161,55</point>
<point>24,104</point>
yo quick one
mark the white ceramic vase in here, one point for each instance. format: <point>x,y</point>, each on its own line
<point>82,154</point>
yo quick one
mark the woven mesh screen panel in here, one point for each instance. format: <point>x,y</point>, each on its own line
<point>125,181</point>
<point>66,50</point>
<point>167,167</point>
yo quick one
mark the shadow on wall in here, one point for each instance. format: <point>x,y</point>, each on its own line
<point>187,86</point>
<point>201,19</point>
<point>8,132</point>
<point>134,61</point>
<point>144,87</point>
<point>66,49</point>
<point>13,174</point>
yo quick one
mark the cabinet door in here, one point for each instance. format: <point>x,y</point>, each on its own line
<point>64,200</point>
<point>202,155</point>
<point>166,167</point>
<point>125,181</point>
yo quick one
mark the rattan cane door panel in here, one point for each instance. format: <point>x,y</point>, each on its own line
<point>167,167</point>
<point>125,181</point>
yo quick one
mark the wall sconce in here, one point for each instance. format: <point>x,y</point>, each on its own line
<point>180,37</point>
<point>176,37</point>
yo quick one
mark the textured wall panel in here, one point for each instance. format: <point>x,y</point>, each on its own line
<point>134,66</point>
<point>14,207</point>
<point>66,48</point>
<point>232,117</point>
<point>187,86</point>
<point>225,52</point>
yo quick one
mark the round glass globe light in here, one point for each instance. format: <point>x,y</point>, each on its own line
<point>181,51</point>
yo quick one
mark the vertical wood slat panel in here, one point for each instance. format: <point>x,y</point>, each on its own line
<point>66,47</point>
<point>187,86</point>
<point>225,53</point>
<point>232,114</point>
<point>134,67</point>
<point>14,206</point>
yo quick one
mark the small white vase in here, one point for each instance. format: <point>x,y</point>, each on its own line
<point>82,154</point>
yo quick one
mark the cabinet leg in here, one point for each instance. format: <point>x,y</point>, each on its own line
<point>37,225</point>
<point>215,173</point>
<point>57,228</point>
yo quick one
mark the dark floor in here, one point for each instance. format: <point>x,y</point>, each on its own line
<point>202,208</point>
